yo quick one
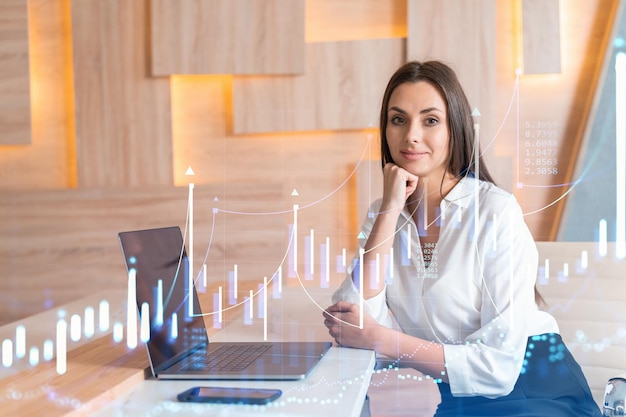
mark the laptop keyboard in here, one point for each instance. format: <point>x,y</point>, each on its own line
<point>229,357</point>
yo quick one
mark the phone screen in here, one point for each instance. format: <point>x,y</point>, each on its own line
<point>227,395</point>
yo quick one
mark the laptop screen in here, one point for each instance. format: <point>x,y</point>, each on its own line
<point>158,256</point>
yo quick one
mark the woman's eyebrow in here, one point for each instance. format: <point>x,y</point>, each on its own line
<point>398,109</point>
<point>429,109</point>
<point>426,110</point>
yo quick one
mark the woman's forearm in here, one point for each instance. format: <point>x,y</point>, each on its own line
<point>422,355</point>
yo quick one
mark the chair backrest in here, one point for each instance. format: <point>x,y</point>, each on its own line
<point>584,286</point>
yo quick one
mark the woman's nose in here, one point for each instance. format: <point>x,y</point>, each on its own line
<point>414,134</point>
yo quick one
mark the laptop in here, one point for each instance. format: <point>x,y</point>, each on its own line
<point>178,346</point>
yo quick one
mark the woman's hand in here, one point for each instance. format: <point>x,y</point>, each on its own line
<point>398,185</point>
<point>343,319</point>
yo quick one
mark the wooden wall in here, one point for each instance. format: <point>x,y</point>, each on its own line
<point>124,96</point>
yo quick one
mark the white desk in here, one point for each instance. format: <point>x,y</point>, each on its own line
<point>106,379</point>
<point>336,387</point>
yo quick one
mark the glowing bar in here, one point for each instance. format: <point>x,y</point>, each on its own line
<point>546,269</point>
<point>235,281</point>
<point>204,280</point>
<point>275,285</point>
<point>620,155</point>
<point>265,308</point>
<point>327,260</point>
<point>252,304</point>
<point>219,304</point>
<point>61,364</point>
<point>312,252</point>
<point>343,258</point>
<point>425,206</point>
<point>144,332</point>
<point>159,303</point>
<point>103,316</point>
<point>307,258</point>
<point>7,353</point>
<point>190,246</point>
<point>33,356</point>
<point>231,288</point>
<point>476,184</point>
<point>602,238</point>
<point>216,317</point>
<point>295,238</point>
<point>290,264</point>
<point>118,332</point>
<point>131,310</point>
<point>174,329</point>
<point>20,341</point>
<point>377,272</point>
<point>361,298</point>
<point>75,328</point>
<point>324,266</point>
<point>408,241</point>
<point>261,303</point>
<point>566,270</point>
<point>247,311</point>
<point>89,324</point>
<point>584,259</point>
<point>48,350</point>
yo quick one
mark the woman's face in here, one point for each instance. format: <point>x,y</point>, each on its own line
<point>417,130</point>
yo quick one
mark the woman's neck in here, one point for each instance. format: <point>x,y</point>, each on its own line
<point>432,191</point>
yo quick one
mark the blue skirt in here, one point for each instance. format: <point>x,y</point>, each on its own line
<point>550,385</point>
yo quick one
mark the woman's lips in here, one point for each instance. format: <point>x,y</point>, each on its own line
<point>413,155</point>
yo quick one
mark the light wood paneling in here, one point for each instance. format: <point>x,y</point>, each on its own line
<point>14,72</point>
<point>541,36</point>
<point>57,246</point>
<point>349,20</point>
<point>123,123</point>
<point>227,37</point>
<point>341,89</point>
<point>49,161</point>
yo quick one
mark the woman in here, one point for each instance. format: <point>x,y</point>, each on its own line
<point>447,254</point>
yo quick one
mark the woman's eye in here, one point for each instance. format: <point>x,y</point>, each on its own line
<point>431,121</point>
<point>397,120</point>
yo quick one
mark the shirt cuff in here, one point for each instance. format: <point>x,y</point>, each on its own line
<point>458,370</point>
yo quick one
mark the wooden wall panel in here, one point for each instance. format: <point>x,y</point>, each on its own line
<point>49,161</point>
<point>349,20</point>
<point>341,89</point>
<point>227,37</point>
<point>57,246</point>
<point>14,74</point>
<point>541,36</point>
<point>123,122</point>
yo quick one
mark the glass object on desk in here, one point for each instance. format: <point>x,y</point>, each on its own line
<point>615,397</point>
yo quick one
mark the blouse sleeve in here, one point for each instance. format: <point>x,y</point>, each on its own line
<point>489,361</point>
<point>377,305</point>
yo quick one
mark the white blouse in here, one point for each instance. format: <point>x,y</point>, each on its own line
<point>476,296</point>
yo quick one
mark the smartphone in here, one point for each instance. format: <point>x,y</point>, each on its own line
<point>227,395</point>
